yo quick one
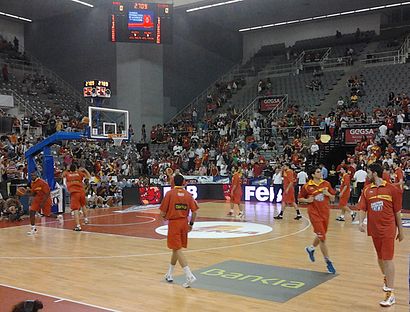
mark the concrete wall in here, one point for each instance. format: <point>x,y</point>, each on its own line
<point>75,46</point>
<point>140,84</point>
<point>201,53</point>
<point>254,40</point>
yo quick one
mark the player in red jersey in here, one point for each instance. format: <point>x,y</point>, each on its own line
<point>74,180</point>
<point>236,193</point>
<point>41,201</point>
<point>288,195</point>
<point>175,207</point>
<point>382,202</point>
<point>398,176</point>
<point>344,196</point>
<point>317,194</point>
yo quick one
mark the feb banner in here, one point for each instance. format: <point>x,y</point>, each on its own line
<point>354,136</point>
<point>267,104</point>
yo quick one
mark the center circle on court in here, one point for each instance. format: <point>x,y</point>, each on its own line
<point>219,229</point>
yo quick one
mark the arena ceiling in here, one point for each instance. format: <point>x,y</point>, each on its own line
<point>235,16</point>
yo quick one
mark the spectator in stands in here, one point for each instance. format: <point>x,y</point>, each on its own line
<point>325,172</point>
<point>5,72</point>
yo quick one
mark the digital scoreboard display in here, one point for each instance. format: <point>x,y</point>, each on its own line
<point>141,22</point>
<point>97,88</point>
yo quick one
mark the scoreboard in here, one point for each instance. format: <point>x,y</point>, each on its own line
<point>97,88</point>
<point>141,22</point>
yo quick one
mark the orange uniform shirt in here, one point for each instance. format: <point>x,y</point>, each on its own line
<point>381,204</point>
<point>345,182</point>
<point>398,175</point>
<point>319,209</point>
<point>177,204</point>
<point>237,183</point>
<point>386,176</point>
<point>288,178</point>
<point>74,181</point>
<point>41,190</point>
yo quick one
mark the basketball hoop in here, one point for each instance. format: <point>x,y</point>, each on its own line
<point>117,138</point>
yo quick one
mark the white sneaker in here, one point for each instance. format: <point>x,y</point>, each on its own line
<point>389,300</point>
<point>241,216</point>
<point>32,232</point>
<point>86,221</point>
<point>60,219</point>
<point>189,281</point>
<point>169,278</point>
<point>355,222</point>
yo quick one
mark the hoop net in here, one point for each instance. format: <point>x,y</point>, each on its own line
<point>117,138</point>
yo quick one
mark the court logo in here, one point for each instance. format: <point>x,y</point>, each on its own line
<point>222,229</point>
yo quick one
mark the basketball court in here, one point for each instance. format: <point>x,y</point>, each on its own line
<point>118,262</point>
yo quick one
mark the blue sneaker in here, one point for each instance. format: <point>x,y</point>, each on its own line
<point>330,268</point>
<point>311,254</point>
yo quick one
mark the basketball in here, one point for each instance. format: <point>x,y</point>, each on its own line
<point>85,120</point>
<point>21,191</point>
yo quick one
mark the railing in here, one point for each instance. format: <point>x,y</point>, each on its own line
<point>21,103</point>
<point>383,57</point>
<point>33,65</point>
<point>280,107</point>
<point>249,109</point>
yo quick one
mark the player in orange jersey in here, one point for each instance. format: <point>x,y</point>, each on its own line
<point>236,194</point>
<point>398,176</point>
<point>74,180</point>
<point>170,177</point>
<point>344,195</point>
<point>317,194</point>
<point>41,202</point>
<point>382,202</point>
<point>175,207</point>
<point>288,195</point>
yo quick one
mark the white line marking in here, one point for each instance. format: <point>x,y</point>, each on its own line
<point>151,219</point>
<point>161,253</point>
<point>60,298</point>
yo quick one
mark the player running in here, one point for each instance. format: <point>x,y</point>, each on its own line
<point>316,194</point>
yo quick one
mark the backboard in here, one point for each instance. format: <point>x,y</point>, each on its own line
<point>106,123</point>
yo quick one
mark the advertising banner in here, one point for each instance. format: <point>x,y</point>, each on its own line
<point>354,136</point>
<point>268,104</point>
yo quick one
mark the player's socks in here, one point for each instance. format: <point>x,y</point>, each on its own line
<point>169,276</point>
<point>190,278</point>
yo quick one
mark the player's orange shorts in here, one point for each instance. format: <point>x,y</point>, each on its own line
<point>384,247</point>
<point>236,198</point>
<point>77,200</point>
<point>289,197</point>
<point>320,228</point>
<point>344,200</point>
<point>35,206</point>
<point>177,234</point>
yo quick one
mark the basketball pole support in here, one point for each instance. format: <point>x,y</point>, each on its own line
<point>48,159</point>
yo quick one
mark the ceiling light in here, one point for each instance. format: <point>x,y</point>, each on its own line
<point>83,3</point>
<point>16,17</point>
<point>327,16</point>
<point>211,5</point>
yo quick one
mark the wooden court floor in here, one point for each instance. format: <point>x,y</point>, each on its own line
<point>118,262</point>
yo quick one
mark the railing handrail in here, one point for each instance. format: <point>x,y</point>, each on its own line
<point>34,65</point>
<point>204,92</point>
<point>20,100</point>
<point>276,109</point>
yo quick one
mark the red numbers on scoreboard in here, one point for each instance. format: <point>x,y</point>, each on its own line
<point>141,6</point>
